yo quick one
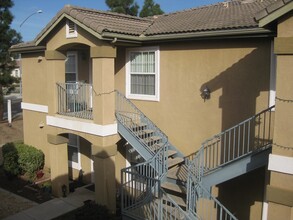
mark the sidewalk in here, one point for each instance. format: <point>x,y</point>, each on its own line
<point>55,207</point>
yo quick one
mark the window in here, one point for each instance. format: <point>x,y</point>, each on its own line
<point>71,67</point>
<point>71,30</point>
<point>142,73</point>
<point>73,152</point>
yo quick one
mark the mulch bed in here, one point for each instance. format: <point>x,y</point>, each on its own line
<point>24,188</point>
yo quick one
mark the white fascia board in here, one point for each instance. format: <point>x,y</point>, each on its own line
<point>85,127</point>
<point>281,164</point>
<point>34,107</point>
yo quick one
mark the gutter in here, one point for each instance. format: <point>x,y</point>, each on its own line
<point>218,34</point>
<point>27,49</point>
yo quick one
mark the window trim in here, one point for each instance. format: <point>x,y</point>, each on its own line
<point>68,34</point>
<point>71,163</point>
<point>155,97</point>
<point>75,54</point>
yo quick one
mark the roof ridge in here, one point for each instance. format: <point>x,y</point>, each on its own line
<point>107,12</point>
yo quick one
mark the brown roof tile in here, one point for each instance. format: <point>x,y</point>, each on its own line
<point>231,14</point>
<point>271,8</point>
<point>100,21</point>
<point>234,14</point>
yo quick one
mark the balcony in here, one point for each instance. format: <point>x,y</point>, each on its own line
<point>75,100</point>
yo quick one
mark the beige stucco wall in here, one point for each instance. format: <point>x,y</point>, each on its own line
<point>244,195</point>
<point>236,71</point>
<point>34,133</point>
<point>57,38</point>
<point>34,78</point>
<point>283,139</point>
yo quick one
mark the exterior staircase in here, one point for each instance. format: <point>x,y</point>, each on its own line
<point>169,186</point>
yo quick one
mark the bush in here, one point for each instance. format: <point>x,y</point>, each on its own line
<point>10,159</point>
<point>8,147</point>
<point>30,159</point>
<point>20,158</point>
<point>10,164</point>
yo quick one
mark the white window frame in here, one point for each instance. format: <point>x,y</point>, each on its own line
<point>155,97</point>
<point>68,34</point>
<point>70,53</point>
<point>73,164</point>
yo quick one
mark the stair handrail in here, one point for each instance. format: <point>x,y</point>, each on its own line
<point>197,205</point>
<point>205,160</point>
<point>119,94</point>
<point>172,203</point>
<point>251,135</point>
<point>151,172</point>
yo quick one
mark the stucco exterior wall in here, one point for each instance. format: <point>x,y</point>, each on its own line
<point>57,38</point>
<point>280,186</point>
<point>236,71</point>
<point>34,78</point>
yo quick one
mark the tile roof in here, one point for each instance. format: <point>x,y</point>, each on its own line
<point>235,14</point>
<point>100,21</point>
<point>271,8</point>
<point>227,15</point>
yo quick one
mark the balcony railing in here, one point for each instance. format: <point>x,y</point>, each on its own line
<point>75,100</point>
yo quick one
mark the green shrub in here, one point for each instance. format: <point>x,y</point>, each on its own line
<point>10,163</point>
<point>20,158</point>
<point>8,147</point>
<point>30,159</point>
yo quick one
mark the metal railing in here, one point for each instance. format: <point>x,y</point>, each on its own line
<point>203,205</point>
<point>141,194</point>
<point>247,137</point>
<point>75,100</point>
<point>139,125</point>
<point>251,135</point>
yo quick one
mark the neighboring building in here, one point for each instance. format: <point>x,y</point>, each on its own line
<point>193,74</point>
<point>16,72</point>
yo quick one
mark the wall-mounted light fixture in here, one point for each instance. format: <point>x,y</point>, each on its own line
<point>205,93</point>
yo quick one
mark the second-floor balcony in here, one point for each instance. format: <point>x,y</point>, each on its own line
<point>75,100</point>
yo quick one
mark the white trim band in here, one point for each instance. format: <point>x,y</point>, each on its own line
<point>280,164</point>
<point>85,127</point>
<point>34,107</point>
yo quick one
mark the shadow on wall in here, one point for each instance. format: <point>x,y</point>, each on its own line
<point>241,86</point>
<point>245,87</point>
<point>103,175</point>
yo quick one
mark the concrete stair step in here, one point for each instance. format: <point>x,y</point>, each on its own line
<point>171,153</point>
<point>152,140</point>
<point>173,187</point>
<point>179,200</point>
<point>145,133</point>
<point>178,173</point>
<point>174,161</point>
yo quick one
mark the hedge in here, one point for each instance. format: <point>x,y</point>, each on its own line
<point>20,158</point>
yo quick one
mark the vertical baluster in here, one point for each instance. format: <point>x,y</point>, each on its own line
<point>243,137</point>
<point>224,147</point>
<point>264,129</point>
<point>248,136</point>
<point>229,145</point>
<point>258,131</point>
<point>239,131</point>
<point>234,141</point>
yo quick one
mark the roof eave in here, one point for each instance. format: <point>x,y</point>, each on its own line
<point>275,14</point>
<point>235,33</point>
<point>28,49</point>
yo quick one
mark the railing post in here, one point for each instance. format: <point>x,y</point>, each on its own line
<point>9,114</point>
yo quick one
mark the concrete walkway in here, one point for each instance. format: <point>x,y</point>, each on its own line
<point>55,207</point>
